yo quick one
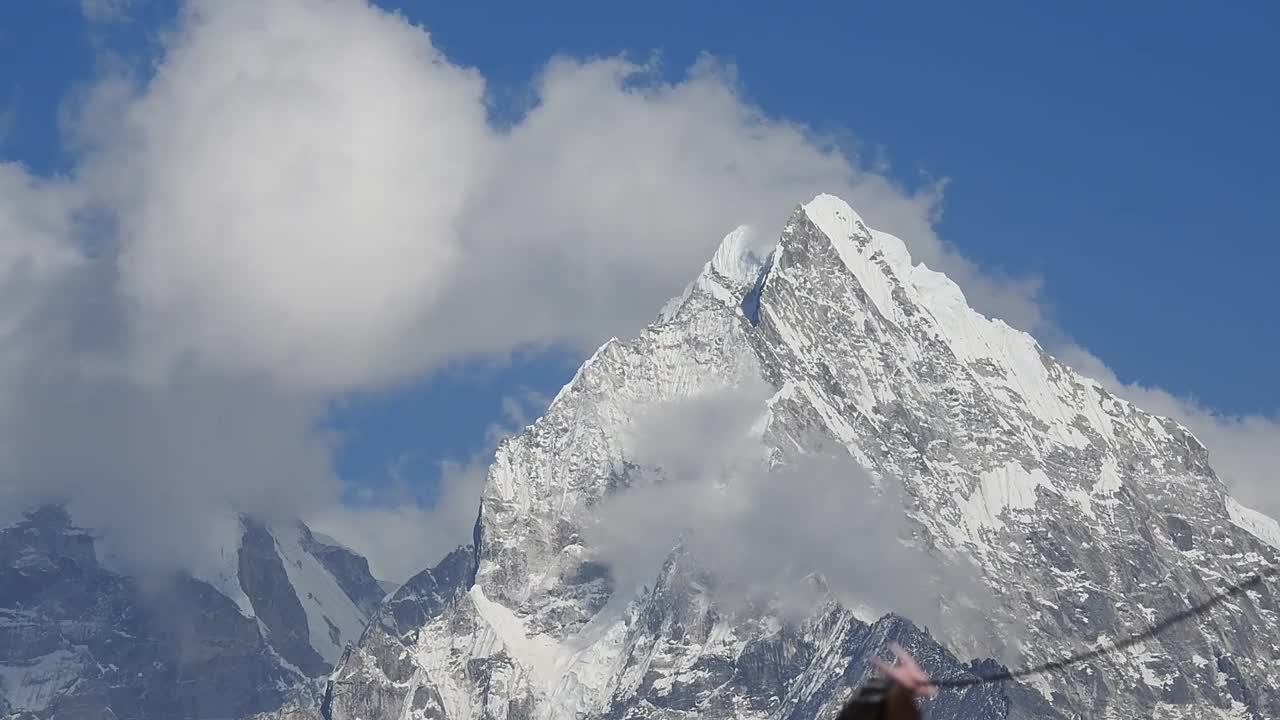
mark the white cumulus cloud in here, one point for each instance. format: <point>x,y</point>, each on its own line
<point>288,187</point>
<point>310,189</point>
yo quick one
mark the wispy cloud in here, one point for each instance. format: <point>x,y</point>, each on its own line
<point>98,11</point>
<point>402,534</point>
<point>706,480</point>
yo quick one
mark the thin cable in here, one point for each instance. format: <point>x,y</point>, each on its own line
<point>1150,632</point>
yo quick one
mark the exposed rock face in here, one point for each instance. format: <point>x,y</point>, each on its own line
<point>348,568</point>
<point>265,581</point>
<point>78,640</point>
<point>1087,518</point>
<point>377,680</point>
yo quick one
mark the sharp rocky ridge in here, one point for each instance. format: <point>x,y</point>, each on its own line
<point>1085,517</point>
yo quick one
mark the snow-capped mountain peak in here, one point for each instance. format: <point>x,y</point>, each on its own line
<point>1085,517</point>
<point>733,269</point>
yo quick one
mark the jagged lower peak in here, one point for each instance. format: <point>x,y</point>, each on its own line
<point>732,271</point>
<point>738,259</point>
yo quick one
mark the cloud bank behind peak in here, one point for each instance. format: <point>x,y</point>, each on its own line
<point>305,199</point>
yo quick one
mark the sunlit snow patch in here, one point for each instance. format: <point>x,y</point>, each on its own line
<point>1011,487</point>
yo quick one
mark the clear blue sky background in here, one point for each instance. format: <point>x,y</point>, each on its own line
<point>1127,152</point>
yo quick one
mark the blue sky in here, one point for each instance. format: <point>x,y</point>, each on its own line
<point>1124,153</point>
<point>1127,152</point>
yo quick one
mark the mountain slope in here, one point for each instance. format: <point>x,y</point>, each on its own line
<point>78,640</point>
<point>1085,517</point>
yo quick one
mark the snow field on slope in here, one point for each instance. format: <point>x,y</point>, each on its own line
<point>970,335</point>
<point>320,595</point>
<point>1261,526</point>
<point>572,674</point>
